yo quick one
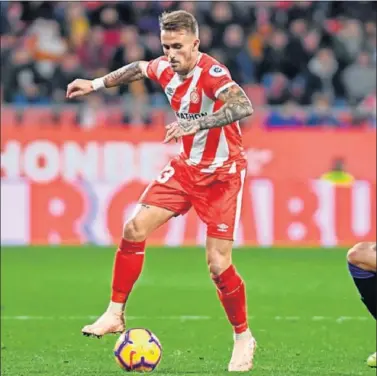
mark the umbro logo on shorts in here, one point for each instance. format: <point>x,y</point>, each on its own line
<point>222,227</point>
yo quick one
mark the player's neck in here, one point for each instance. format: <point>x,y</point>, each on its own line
<point>192,68</point>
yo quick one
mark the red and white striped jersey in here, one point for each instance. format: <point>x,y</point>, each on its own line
<point>196,95</point>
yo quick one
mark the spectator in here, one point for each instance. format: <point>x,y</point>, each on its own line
<point>206,38</point>
<point>125,55</point>
<point>22,82</point>
<point>129,36</point>
<point>152,44</point>
<point>303,50</point>
<point>302,10</point>
<point>220,16</point>
<point>298,90</point>
<point>257,41</point>
<point>109,20</point>
<point>77,23</point>
<point>136,92</point>
<point>322,69</point>
<point>351,37</point>
<point>298,28</point>
<point>147,22</point>
<point>32,10</point>
<point>48,42</point>
<point>365,113</point>
<point>363,72</point>
<point>235,55</point>
<point>293,49</point>
<point>219,55</point>
<point>94,54</point>
<point>277,92</point>
<point>126,11</point>
<point>274,54</point>
<point>47,46</point>
<point>190,6</point>
<point>136,53</point>
<point>322,113</point>
<point>310,42</point>
<point>4,22</point>
<point>66,72</point>
<point>7,45</point>
<point>371,42</point>
<point>287,118</point>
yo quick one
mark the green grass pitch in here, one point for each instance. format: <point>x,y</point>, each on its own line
<point>304,309</point>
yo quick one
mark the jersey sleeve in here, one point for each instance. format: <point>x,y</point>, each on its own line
<point>155,68</point>
<point>217,79</point>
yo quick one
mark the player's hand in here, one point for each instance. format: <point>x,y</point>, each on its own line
<point>78,88</point>
<point>179,129</point>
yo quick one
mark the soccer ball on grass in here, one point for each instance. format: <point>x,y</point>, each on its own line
<point>138,350</point>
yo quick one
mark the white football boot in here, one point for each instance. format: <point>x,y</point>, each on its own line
<point>111,322</point>
<point>243,352</point>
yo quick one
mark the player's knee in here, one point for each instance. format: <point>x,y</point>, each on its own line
<point>356,255</point>
<point>134,231</point>
<point>218,261</point>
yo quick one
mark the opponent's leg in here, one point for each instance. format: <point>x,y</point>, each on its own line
<point>232,294</point>
<point>362,266</point>
<point>128,264</point>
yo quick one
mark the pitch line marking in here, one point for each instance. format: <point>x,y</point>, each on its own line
<point>338,320</point>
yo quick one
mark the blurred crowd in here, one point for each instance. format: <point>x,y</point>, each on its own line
<point>317,54</point>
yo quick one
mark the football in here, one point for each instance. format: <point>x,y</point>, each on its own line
<point>138,350</point>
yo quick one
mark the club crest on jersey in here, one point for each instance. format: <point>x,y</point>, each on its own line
<point>217,71</point>
<point>194,97</point>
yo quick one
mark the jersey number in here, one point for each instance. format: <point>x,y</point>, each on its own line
<point>166,174</point>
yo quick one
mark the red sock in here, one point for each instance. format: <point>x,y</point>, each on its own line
<point>231,291</point>
<point>128,264</point>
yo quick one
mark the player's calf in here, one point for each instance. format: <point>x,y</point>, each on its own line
<point>129,257</point>
<point>128,264</point>
<point>230,286</point>
<point>232,294</point>
<point>362,267</point>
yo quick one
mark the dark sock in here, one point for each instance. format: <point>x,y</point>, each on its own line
<point>365,282</point>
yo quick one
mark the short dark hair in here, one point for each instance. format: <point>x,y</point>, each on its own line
<point>179,20</point>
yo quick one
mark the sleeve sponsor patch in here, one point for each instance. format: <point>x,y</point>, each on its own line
<point>217,71</point>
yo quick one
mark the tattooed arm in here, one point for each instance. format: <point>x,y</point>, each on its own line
<point>122,76</point>
<point>129,73</point>
<point>236,107</point>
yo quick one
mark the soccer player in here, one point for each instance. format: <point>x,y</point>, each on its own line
<point>208,174</point>
<point>362,266</point>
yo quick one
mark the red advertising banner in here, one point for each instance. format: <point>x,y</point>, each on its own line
<point>65,185</point>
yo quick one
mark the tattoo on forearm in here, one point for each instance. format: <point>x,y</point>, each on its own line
<point>237,106</point>
<point>122,76</point>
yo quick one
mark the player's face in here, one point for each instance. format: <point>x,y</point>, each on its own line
<point>181,49</point>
